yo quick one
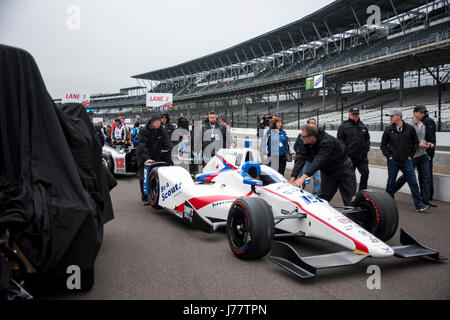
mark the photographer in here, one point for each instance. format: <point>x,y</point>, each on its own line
<point>263,125</point>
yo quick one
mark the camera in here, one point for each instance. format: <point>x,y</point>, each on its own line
<point>265,121</point>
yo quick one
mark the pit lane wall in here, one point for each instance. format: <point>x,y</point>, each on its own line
<point>377,162</point>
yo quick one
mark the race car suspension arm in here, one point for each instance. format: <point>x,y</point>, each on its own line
<point>347,209</point>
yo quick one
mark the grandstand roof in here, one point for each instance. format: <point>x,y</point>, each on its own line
<point>107,95</point>
<point>335,18</point>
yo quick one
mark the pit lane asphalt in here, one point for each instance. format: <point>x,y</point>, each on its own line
<point>150,254</point>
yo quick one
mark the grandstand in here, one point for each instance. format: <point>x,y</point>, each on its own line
<point>400,62</point>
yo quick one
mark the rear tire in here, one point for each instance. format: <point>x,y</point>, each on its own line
<point>381,216</point>
<point>153,189</point>
<point>250,228</point>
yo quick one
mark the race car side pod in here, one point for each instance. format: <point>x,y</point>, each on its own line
<point>287,257</point>
<point>199,222</point>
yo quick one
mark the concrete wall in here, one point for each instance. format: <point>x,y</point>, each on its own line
<point>378,170</point>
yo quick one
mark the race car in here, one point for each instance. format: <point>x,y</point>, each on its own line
<point>259,207</point>
<point>120,159</point>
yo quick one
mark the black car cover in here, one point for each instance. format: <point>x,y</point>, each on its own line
<point>54,190</point>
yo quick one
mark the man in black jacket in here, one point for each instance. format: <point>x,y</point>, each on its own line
<point>354,136</point>
<point>399,144</point>
<point>153,140</point>
<point>214,136</point>
<point>430,137</point>
<point>327,155</point>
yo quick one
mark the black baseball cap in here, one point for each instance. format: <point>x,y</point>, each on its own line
<point>354,110</point>
<point>420,108</point>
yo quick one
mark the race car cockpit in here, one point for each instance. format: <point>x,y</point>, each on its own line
<point>261,173</point>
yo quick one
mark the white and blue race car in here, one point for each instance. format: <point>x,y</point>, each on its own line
<point>259,207</point>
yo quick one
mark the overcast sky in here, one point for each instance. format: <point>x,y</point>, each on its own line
<point>116,39</point>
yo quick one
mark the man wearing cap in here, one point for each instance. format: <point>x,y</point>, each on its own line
<point>421,160</point>
<point>153,139</point>
<point>354,136</point>
<point>399,144</point>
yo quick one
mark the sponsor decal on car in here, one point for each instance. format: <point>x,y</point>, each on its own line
<point>221,203</point>
<point>188,213</point>
<point>167,191</point>
<point>311,199</point>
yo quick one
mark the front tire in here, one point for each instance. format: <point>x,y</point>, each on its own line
<point>250,228</point>
<point>381,216</point>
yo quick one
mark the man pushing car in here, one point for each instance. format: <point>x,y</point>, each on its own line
<point>328,156</point>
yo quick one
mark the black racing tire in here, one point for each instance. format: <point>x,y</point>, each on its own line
<point>250,228</point>
<point>109,163</point>
<point>381,215</point>
<point>153,188</point>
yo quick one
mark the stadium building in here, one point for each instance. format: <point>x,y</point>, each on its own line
<point>390,53</point>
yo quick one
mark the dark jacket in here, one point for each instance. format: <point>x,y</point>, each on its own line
<point>430,133</point>
<point>168,126</point>
<point>327,155</point>
<point>100,135</point>
<point>355,138</point>
<point>399,145</point>
<point>151,142</point>
<point>207,138</point>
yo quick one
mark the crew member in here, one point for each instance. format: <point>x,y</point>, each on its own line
<point>328,156</point>
<point>355,137</point>
<point>153,140</point>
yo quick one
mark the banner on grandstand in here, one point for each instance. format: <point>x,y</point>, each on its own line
<point>318,81</point>
<point>315,82</point>
<point>76,97</point>
<point>309,83</point>
<point>159,100</point>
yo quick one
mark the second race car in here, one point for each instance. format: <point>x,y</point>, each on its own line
<point>120,159</point>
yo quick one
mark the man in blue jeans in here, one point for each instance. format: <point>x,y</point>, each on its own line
<point>421,160</point>
<point>399,144</point>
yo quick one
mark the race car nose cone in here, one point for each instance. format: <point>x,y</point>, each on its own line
<point>381,251</point>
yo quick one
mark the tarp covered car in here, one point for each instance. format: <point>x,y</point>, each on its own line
<point>54,190</point>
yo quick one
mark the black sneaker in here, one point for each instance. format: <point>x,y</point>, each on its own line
<point>432,205</point>
<point>422,207</point>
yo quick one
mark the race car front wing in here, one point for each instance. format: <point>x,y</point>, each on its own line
<point>287,257</point>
